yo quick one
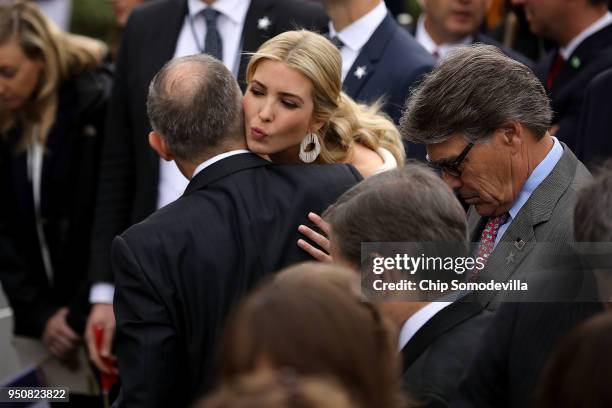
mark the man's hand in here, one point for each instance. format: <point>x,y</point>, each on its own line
<point>101,315</point>
<point>58,337</point>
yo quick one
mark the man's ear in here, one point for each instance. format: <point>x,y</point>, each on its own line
<point>158,144</point>
<point>514,133</point>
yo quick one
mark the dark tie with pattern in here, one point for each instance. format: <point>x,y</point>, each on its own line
<point>337,42</point>
<point>487,240</point>
<point>213,45</point>
<point>554,71</point>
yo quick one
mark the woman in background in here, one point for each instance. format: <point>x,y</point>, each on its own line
<point>296,112</point>
<point>310,319</point>
<point>53,93</point>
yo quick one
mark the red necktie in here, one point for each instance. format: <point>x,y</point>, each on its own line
<point>554,70</point>
<point>487,239</point>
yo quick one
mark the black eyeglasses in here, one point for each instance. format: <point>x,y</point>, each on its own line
<point>452,167</point>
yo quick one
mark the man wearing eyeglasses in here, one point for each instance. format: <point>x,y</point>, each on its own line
<point>484,119</point>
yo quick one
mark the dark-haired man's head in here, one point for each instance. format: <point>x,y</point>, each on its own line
<point>490,132</point>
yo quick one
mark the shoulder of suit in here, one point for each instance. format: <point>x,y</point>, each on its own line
<point>152,11</point>
<point>405,49</point>
<point>485,39</point>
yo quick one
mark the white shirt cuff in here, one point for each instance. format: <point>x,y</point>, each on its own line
<point>101,293</point>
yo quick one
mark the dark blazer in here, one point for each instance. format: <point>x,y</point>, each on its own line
<point>180,271</point>
<point>437,356</point>
<point>394,63</point>
<point>485,39</point>
<point>545,218</point>
<point>68,180</point>
<point>130,168</point>
<point>592,56</point>
<point>513,351</point>
<point>594,142</point>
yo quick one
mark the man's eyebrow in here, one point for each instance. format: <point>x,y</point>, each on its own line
<point>445,160</point>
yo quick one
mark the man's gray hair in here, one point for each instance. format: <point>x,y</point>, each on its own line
<point>194,103</point>
<point>593,212</point>
<point>409,204</point>
<point>474,91</point>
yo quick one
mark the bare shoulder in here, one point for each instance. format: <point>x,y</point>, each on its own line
<point>365,160</point>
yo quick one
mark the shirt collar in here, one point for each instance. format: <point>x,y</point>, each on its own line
<point>418,320</point>
<point>423,37</point>
<point>567,51</point>
<point>355,35</point>
<point>216,158</point>
<point>537,176</point>
<point>235,10</point>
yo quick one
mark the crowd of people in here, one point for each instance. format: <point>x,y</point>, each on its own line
<point>196,208</point>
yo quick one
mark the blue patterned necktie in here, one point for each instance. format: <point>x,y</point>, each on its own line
<point>337,42</point>
<point>213,45</point>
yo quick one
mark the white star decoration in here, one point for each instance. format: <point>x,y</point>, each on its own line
<point>360,72</point>
<point>263,23</point>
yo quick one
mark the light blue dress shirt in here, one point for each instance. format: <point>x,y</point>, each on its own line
<point>536,177</point>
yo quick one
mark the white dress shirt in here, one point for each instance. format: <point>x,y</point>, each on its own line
<point>357,34</point>
<point>442,50</point>
<point>567,51</point>
<point>217,158</point>
<point>191,41</point>
<point>418,320</point>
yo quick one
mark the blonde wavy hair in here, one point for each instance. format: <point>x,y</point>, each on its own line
<point>347,122</point>
<point>63,55</point>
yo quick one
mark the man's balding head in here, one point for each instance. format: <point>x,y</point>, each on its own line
<point>194,104</point>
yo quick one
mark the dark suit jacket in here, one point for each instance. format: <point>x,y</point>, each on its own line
<point>592,56</point>
<point>67,198</point>
<point>513,351</point>
<point>545,218</point>
<point>594,142</point>
<point>130,168</point>
<point>485,39</point>
<point>180,271</point>
<point>394,63</point>
<point>438,355</point>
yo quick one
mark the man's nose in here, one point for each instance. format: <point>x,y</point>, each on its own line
<point>452,181</point>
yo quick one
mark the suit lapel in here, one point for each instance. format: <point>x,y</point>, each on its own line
<point>253,35</point>
<point>365,65</point>
<point>224,168</point>
<point>586,55</point>
<point>442,322</point>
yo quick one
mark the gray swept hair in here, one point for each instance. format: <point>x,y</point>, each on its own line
<point>474,91</point>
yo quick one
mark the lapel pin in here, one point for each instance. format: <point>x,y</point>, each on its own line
<point>264,23</point>
<point>575,62</point>
<point>510,257</point>
<point>519,244</point>
<point>360,72</point>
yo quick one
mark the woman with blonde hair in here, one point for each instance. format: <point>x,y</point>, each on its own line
<point>53,93</point>
<point>295,110</point>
